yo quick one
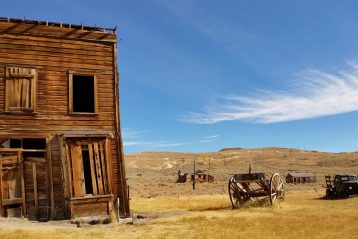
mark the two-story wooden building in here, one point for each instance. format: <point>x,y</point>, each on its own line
<point>60,141</point>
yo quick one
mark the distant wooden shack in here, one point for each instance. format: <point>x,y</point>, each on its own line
<point>60,142</point>
<point>300,177</point>
<point>198,176</point>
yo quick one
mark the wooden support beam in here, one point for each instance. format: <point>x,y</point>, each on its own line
<point>104,167</point>
<point>109,166</point>
<point>49,180</point>
<point>21,163</point>
<point>1,207</point>
<point>36,199</point>
<point>69,171</point>
<point>67,183</point>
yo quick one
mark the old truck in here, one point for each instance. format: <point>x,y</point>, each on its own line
<point>342,186</point>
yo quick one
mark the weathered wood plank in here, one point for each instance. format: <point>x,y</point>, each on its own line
<point>34,175</point>
<point>98,169</point>
<point>57,43</point>
<point>93,169</point>
<point>50,51</point>
<point>18,55</point>
<point>56,32</point>
<point>109,167</point>
<point>77,169</point>
<point>1,189</point>
<point>49,180</point>
<point>45,63</point>
<point>103,167</point>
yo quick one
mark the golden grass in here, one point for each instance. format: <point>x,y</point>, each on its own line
<point>303,215</point>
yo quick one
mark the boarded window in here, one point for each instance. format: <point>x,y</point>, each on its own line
<point>21,84</point>
<point>82,93</point>
<point>88,168</point>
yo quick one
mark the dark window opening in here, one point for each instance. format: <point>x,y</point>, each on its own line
<point>25,143</point>
<point>15,143</point>
<point>34,143</point>
<point>83,94</point>
<point>34,154</point>
<point>87,171</point>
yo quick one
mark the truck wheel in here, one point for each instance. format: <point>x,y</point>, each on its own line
<point>329,193</point>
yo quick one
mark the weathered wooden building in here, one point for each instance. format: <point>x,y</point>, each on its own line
<point>300,177</point>
<point>198,176</point>
<point>60,140</point>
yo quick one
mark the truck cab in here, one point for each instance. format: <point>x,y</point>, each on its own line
<point>343,185</point>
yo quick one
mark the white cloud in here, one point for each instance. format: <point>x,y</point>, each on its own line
<point>209,139</point>
<point>137,138</point>
<point>314,94</point>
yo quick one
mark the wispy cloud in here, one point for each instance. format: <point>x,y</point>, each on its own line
<point>137,138</point>
<point>209,139</point>
<point>314,94</point>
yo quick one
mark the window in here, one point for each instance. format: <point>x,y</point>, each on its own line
<point>82,94</point>
<point>21,84</point>
<point>88,168</point>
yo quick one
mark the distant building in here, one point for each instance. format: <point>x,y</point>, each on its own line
<point>199,176</point>
<point>300,178</point>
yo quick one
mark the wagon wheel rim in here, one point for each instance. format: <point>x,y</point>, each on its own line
<point>236,198</point>
<point>277,188</point>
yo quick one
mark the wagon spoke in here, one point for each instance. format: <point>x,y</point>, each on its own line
<point>276,188</point>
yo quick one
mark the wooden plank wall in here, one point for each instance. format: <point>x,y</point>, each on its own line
<point>54,57</point>
<point>57,177</point>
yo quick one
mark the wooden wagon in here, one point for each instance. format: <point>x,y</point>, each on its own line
<point>243,187</point>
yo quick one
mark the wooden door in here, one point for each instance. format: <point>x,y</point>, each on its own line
<point>88,168</point>
<point>36,190</point>
<point>11,184</point>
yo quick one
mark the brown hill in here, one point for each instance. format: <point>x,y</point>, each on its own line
<point>154,173</point>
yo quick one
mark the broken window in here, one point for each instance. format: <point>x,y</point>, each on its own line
<point>88,168</point>
<point>21,84</point>
<point>82,93</point>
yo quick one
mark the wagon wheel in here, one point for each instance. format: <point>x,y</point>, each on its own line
<point>236,194</point>
<point>277,188</point>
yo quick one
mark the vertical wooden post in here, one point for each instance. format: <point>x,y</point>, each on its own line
<point>109,166</point>
<point>36,198</point>
<point>120,162</point>
<point>21,165</point>
<point>95,88</point>
<point>104,167</point>
<point>49,180</point>
<point>70,92</point>
<point>1,207</point>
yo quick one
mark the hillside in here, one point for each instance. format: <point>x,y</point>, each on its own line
<point>153,174</point>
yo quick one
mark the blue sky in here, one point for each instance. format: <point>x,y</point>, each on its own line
<point>201,75</point>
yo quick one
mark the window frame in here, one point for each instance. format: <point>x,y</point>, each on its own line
<point>70,93</point>
<point>33,77</point>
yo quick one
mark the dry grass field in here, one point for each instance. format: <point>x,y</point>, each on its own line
<point>303,215</point>
<point>171,210</point>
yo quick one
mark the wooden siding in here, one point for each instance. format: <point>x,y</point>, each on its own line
<point>54,58</point>
<point>54,52</point>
